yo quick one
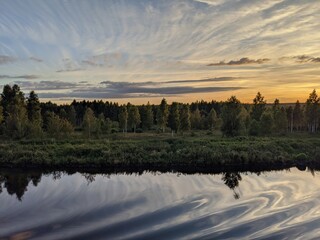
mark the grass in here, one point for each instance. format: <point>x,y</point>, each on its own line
<point>161,151</point>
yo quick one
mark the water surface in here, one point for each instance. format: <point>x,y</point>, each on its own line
<point>275,205</point>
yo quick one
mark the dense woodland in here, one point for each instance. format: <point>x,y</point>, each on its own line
<point>27,117</point>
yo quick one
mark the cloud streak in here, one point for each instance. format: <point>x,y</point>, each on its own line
<point>135,92</point>
<point>7,59</point>
<point>21,76</point>
<point>242,61</point>
<point>47,85</point>
<point>306,59</point>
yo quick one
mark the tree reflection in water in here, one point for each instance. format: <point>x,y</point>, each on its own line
<point>16,183</point>
<point>232,179</point>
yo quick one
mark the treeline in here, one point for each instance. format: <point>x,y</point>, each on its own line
<point>26,117</point>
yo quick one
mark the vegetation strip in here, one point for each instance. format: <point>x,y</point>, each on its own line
<point>151,153</point>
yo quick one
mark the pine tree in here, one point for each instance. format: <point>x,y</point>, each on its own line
<point>147,117</point>
<point>174,117</point>
<point>231,118</point>
<point>34,128</point>
<point>162,115</point>
<point>297,116</point>
<point>312,111</point>
<point>185,123</point>
<point>259,105</point>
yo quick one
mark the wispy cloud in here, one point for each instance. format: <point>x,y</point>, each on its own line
<point>70,70</point>
<point>305,59</point>
<point>47,85</point>
<point>153,83</point>
<point>7,59</point>
<point>136,92</point>
<point>242,61</point>
<point>20,76</point>
<point>36,59</point>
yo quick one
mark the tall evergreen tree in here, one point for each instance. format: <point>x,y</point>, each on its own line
<point>174,117</point>
<point>312,111</point>
<point>259,105</point>
<point>297,116</point>
<point>147,117</point>
<point>162,115</point>
<point>231,117</point>
<point>185,123</point>
<point>34,115</point>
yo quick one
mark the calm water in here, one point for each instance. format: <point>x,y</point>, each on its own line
<point>275,205</point>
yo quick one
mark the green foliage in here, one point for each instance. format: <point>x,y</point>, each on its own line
<point>89,123</point>
<point>123,119</point>
<point>259,105</point>
<point>53,124</point>
<point>231,117</point>
<point>266,123</point>
<point>162,115</point>
<point>17,118</point>
<point>28,118</point>
<point>280,121</point>
<point>147,117</point>
<point>297,116</point>
<point>212,119</point>
<point>133,117</point>
<point>174,117</point>
<point>254,128</point>
<point>196,119</point>
<point>72,116</point>
<point>185,123</point>
<point>312,111</point>
<point>188,151</point>
<point>301,157</point>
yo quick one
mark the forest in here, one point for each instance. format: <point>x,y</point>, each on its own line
<point>196,137</point>
<point>27,118</point>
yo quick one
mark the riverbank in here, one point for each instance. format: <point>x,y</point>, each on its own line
<point>163,153</point>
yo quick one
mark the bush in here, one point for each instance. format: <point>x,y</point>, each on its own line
<point>301,157</point>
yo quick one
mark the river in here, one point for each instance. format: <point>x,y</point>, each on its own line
<point>152,205</point>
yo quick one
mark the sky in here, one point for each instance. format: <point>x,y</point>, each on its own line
<point>145,50</point>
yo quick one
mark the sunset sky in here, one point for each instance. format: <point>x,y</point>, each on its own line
<point>144,50</point>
